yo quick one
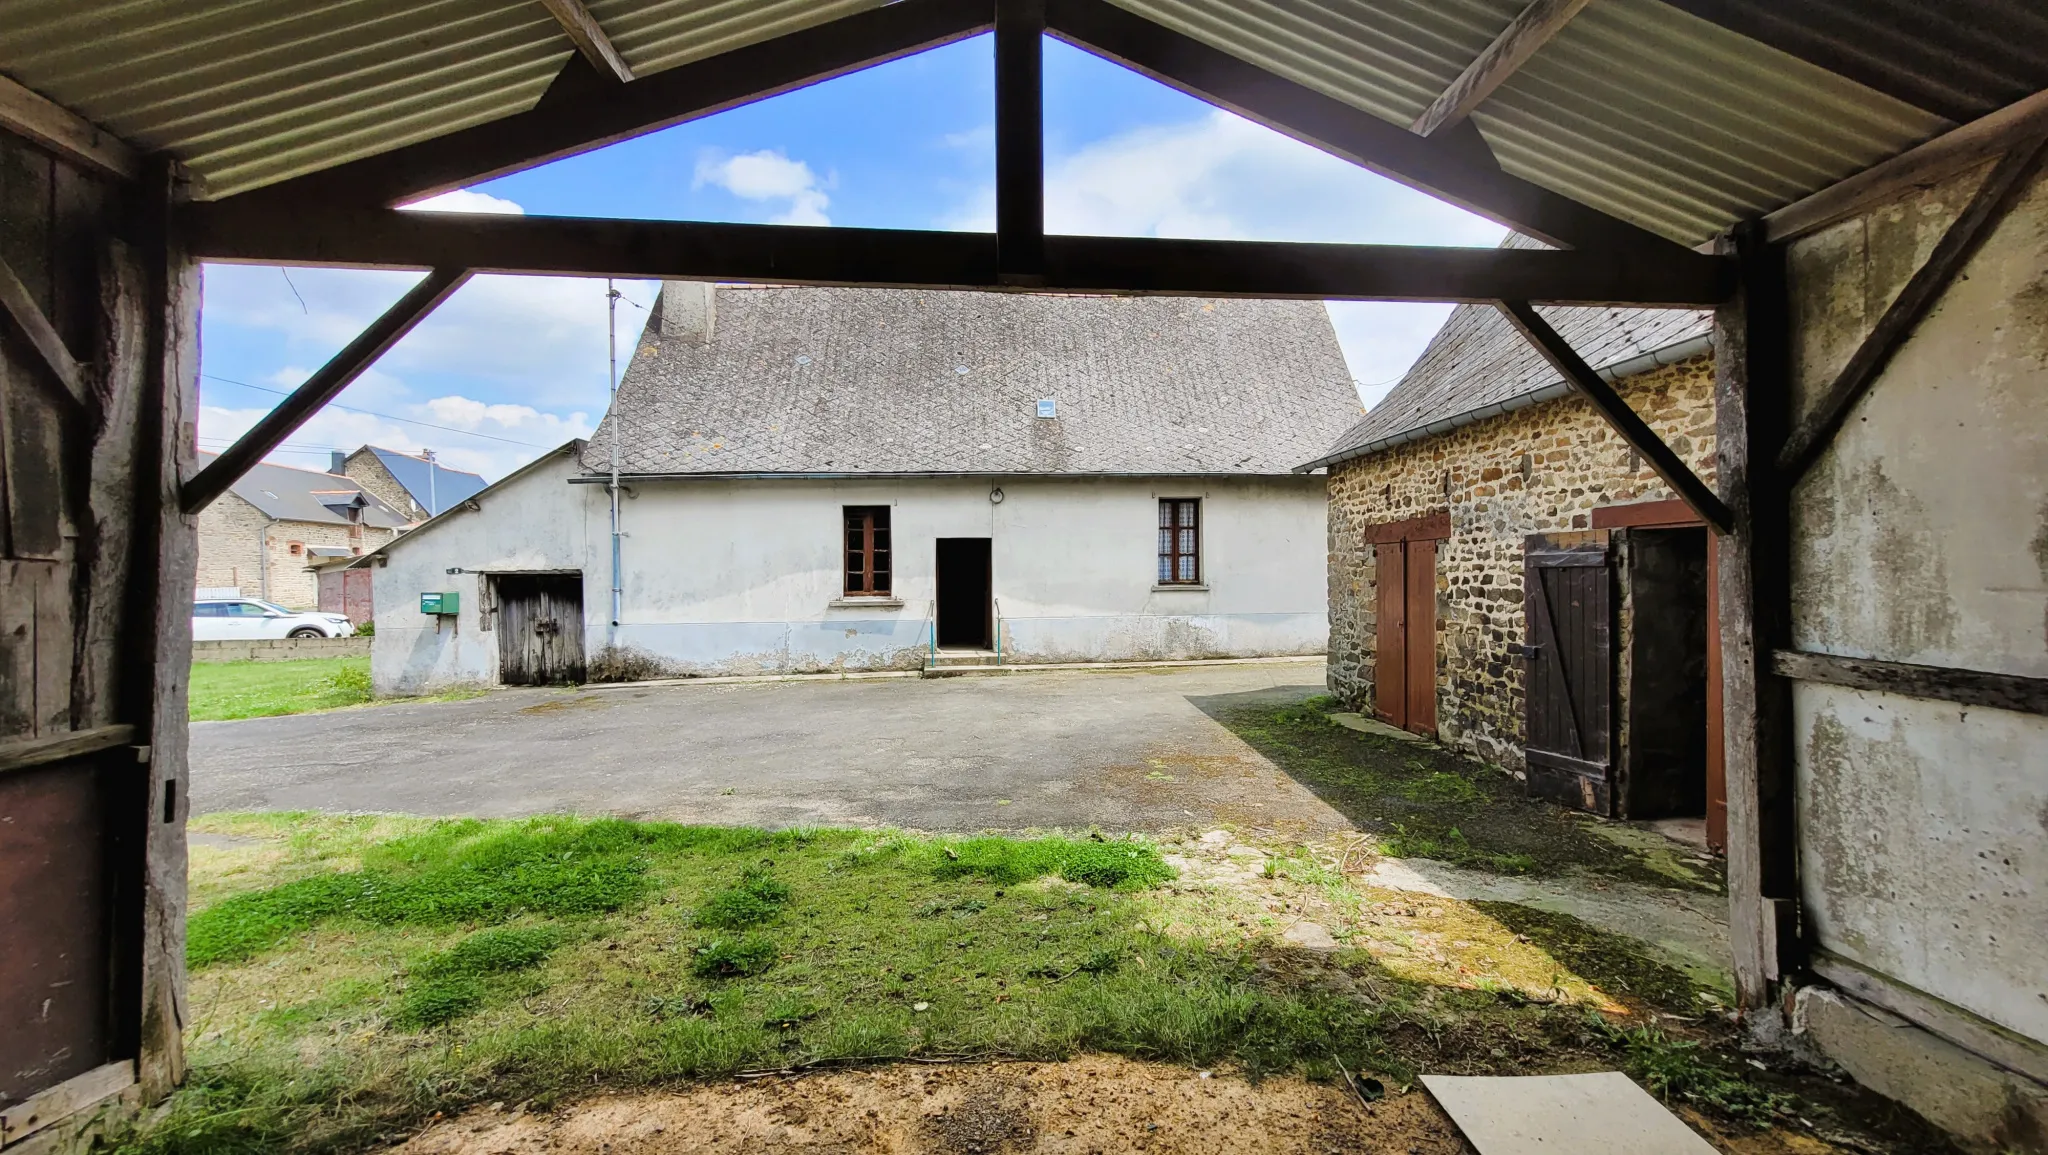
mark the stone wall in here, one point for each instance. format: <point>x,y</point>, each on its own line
<point>230,554</point>
<point>1537,470</point>
<point>280,649</point>
<point>364,468</point>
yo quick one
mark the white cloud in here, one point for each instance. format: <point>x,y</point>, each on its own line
<point>464,200</point>
<point>1223,177</point>
<point>769,175</point>
<point>345,430</point>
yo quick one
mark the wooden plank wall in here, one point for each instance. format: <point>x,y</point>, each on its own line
<point>94,576</point>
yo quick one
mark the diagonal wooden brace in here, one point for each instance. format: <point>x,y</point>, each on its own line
<point>323,386</point>
<point>28,321</point>
<point>1626,421</point>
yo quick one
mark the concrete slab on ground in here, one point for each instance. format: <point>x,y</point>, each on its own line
<point>1125,750</point>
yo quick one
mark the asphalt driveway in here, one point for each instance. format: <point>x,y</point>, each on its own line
<point>1124,750</point>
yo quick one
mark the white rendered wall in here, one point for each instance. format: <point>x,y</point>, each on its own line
<point>724,577</point>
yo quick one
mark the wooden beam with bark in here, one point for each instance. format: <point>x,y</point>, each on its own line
<point>591,115</point>
<point>1020,140</point>
<point>589,38</point>
<point>785,254</point>
<point>1441,166</point>
<point>1624,420</point>
<point>1936,683</point>
<point>62,131</point>
<point>1529,31</point>
<point>1957,245</point>
<point>28,321</point>
<point>323,386</point>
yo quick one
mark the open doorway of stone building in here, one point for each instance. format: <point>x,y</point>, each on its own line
<point>1623,670</point>
<point>964,594</point>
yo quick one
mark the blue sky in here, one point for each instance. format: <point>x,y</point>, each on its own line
<point>511,365</point>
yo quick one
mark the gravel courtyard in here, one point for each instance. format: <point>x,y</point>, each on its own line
<point>1124,750</point>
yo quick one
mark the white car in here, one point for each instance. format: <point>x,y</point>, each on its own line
<point>244,619</point>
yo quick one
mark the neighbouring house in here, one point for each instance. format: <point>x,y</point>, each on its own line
<point>816,479</point>
<point>264,535</point>
<point>1506,574</point>
<point>418,486</point>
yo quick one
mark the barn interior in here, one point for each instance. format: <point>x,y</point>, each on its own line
<point>1857,194</point>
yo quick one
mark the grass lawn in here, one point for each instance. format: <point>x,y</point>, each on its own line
<point>223,691</point>
<point>352,976</point>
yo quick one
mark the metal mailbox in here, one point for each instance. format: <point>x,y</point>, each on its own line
<point>444,603</point>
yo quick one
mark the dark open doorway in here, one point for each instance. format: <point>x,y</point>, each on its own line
<point>1663,683</point>
<point>963,581</point>
<point>540,628</point>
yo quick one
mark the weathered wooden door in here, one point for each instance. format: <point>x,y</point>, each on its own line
<point>540,628</point>
<point>1569,689</point>
<point>1404,665</point>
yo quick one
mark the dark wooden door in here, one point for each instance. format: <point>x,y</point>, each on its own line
<point>1390,654</point>
<point>1568,693</point>
<point>964,594</point>
<point>540,628</point>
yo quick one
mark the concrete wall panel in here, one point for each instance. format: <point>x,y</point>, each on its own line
<point>1924,844</point>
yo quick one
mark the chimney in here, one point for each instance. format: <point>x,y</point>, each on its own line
<point>337,462</point>
<point>689,311</point>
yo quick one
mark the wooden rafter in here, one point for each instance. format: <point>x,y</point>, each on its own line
<point>589,37</point>
<point>1443,167</point>
<point>323,386</point>
<point>1625,420</point>
<point>1530,30</point>
<point>1917,167</point>
<point>29,322</point>
<point>597,115</point>
<point>692,250</point>
<point>1965,234</point>
<point>1020,140</point>
<point>64,132</point>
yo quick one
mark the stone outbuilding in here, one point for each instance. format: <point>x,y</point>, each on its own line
<point>1506,574</point>
<point>268,532</point>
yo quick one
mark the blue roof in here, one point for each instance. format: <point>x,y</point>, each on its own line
<point>435,487</point>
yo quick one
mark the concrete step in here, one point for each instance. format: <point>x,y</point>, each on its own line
<point>964,659</point>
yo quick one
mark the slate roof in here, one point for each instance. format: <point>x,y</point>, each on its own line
<point>864,381</point>
<point>433,485</point>
<point>1479,360</point>
<point>288,494</point>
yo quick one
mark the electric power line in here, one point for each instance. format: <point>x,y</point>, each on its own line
<point>374,413</point>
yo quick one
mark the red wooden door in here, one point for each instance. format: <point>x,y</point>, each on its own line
<point>1390,661</point>
<point>1420,620</point>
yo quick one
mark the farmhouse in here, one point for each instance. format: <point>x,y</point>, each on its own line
<point>267,532</point>
<point>1507,574</point>
<point>414,483</point>
<point>818,479</point>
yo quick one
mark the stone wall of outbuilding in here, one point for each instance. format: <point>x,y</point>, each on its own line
<point>1537,470</point>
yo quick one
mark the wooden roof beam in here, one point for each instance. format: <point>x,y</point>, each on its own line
<point>64,132</point>
<point>786,254</point>
<point>589,37</point>
<point>1020,139</point>
<point>1530,30</point>
<point>1625,420</point>
<point>323,386</point>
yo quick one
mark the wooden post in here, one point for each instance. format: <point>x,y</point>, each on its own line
<point>158,619</point>
<point>1751,361</point>
<point>1020,141</point>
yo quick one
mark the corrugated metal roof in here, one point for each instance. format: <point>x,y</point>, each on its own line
<point>1637,108</point>
<point>249,92</point>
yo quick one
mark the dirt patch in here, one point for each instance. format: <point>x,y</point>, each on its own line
<point>1092,1104</point>
<point>566,702</point>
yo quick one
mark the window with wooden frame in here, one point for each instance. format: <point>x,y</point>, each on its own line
<point>867,551</point>
<point>1180,541</point>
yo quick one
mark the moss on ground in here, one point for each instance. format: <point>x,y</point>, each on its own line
<point>1424,801</point>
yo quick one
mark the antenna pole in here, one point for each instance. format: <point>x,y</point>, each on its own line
<point>611,294</point>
